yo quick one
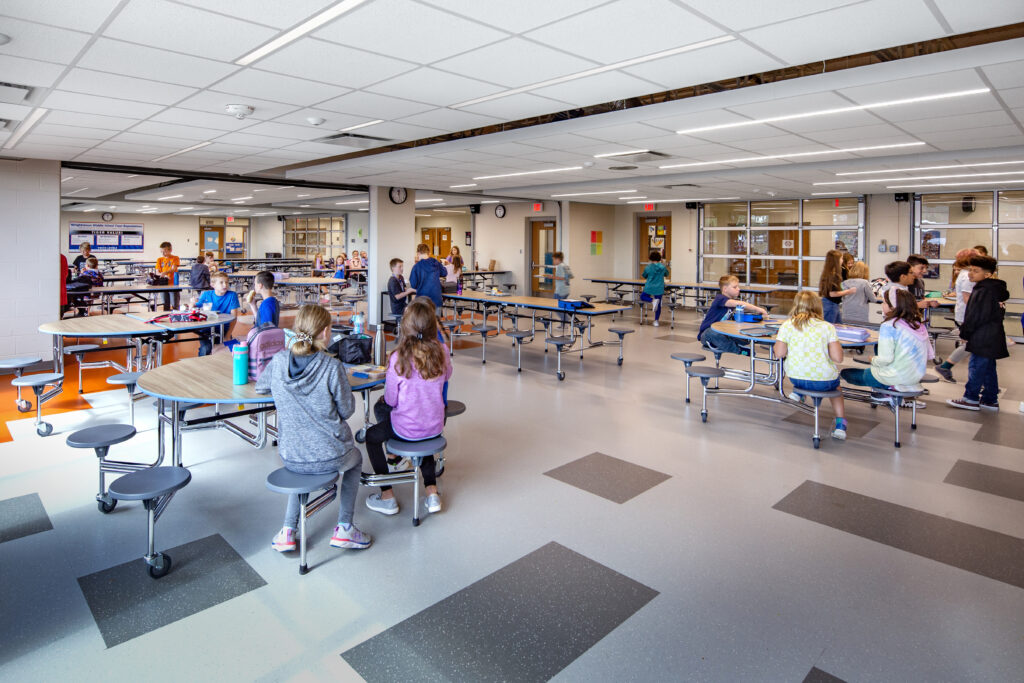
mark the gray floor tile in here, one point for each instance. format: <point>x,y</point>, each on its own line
<point>22,516</point>
<point>127,603</point>
<point>816,675</point>
<point>677,338</point>
<point>968,547</point>
<point>988,479</point>
<point>855,427</point>
<point>608,477</point>
<point>1002,432</point>
<point>525,622</point>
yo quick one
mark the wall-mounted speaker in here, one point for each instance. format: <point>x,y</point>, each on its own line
<point>691,205</point>
<point>281,218</point>
<point>902,196</point>
<point>968,204</point>
<point>474,208</point>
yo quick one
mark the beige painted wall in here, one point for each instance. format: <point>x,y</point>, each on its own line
<point>505,239</point>
<point>460,223</point>
<point>889,220</point>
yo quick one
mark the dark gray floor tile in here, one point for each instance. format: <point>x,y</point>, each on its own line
<point>968,547</point>
<point>127,603</point>
<point>22,516</point>
<point>1002,430</point>
<point>608,477</point>
<point>685,339</point>
<point>987,479</point>
<point>816,675</point>
<point>938,408</point>
<point>525,622</point>
<point>856,427</point>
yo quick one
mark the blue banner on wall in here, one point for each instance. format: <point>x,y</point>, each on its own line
<point>106,237</point>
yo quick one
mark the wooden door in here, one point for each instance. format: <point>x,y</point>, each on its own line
<point>211,238</point>
<point>444,242</point>
<point>654,233</point>
<point>429,237</point>
<point>542,245</point>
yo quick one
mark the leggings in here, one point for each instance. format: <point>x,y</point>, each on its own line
<point>376,436</point>
<point>350,467</point>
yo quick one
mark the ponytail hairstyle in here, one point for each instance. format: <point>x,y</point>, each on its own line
<point>418,347</point>
<point>832,273</point>
<point>456,261</point>
<point>310,323</point>
<point>903,308</point>
<point>806,306</point>
<point>963,259</point>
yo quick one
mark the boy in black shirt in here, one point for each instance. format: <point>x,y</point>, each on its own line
<point>398,292</point>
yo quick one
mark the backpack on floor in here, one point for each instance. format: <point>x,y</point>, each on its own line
<point>263,341</point>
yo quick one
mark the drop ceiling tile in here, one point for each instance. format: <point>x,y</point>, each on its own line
<point>1006,75</point>
<point>918,86</point>
<point>248,139</point>
<point>1014,97</point>
<point>865,26</point>
<point>597,89</point>
<point>976,104</point>
<point>29,71</point>
<point>190,30</point>
<point>114,155</point>
<point>337,65</point>
<point>758,145</point>
<point>963,124</point>
<point>46,151</point>
<point>622,132</point>
<point>740,16</point>
<point>142,143</point>
<point>707,65</point>
<point>435,87</point>
<point>516,17</point>
<point>113,85</point>
<point>147,62</point>
<point>830,122</point>
<point>373,27</point>
<point>400,131</point>
<point>188,117</point>
<point>987,143</point>
<point>49,128</point>
<point>857,134</point>
<point>332,120</point>
<point>626,29</point>
<point>286,131</point>
<point>515,62</point>
<point>320,148</point>
<point>177,131</point>
<point>71,118</point>
<point>14,112</point>
<point>449,120</point>
<point>964,17</point>
<point>295,91</point>
<point>980,133</point>
<point>37,138</point>
<point>48,44</point>
<point>519,106</point>
<point>373,106</point>
<point>697,119</point>
<point>81,15</point>
<point>94,104</point>
<point>564,141</point>
<point>212,102</point>
<point>267,12</point>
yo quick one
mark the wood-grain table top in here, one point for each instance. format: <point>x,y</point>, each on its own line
<point>533,302</point>
<point>311,281</point>
<point>116,325</point>
<point>212,320</point>
<point>734,329</point>
<point>136,289</point>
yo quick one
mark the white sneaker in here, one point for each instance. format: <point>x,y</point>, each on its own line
<point>433,503</point>
<point>793,396</point>
<point>838,433</point>
<point>384,506</point>
<point>656,323</point>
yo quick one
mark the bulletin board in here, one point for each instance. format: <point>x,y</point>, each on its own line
<point>106,237</point>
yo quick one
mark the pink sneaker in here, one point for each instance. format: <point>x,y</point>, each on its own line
<point>284,541</point>
<point>352,538</point>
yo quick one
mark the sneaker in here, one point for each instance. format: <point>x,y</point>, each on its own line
<point>656,323</point>
<point>399,465</point>
<point>839,433</point>
<point>945,373</point>
<point>350,538</point>
<point>994,407</point>
<point>962,403</point>
<point>284,541</point>
<point>793,396</point>
<point>378,504</point>
<point>433,503</point>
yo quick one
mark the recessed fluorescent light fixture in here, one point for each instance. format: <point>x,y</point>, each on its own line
<point>302,29</point>
<point>643,197</point>
<point>931,168</point>
<point>581,194</point>
<point>794,155</point>
<point>361,201</point>
<point>26,125</point>
<point>678,201</point>
<point>452,187</point>
<point>546,170</point>
<point>837,110</point>
<point>618,154</point>
<point>422,215</point>
<point>921,177</point>
<point>304,206</point>
<point>1014,181</point>
<point>448,211</point>
<point>491,201</point>
<point>209,191</point>
<point>262,189</point>
<point>81,189</point>
<point>170,196</point>
<point>284,187</point>
<point>827,194</point>
<point>599,70</point>
<point>70,177</point>
<point>87,210</point>
<point>364,209</point>
<point>240,199</point>
<point>302,195</point>
<point>181,151</point>
<point>361,125</point>
<point>424,201</point>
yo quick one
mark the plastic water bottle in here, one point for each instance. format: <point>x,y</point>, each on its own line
<point>460,287</point>
<point>739,311</point>
<point>357,324</point>
<point>240,364</point>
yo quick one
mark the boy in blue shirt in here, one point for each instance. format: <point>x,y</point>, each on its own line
<point>729,290</point>
<point>426,276</point>
<point>654,287</point>
<point>221,300</point>
<point>269,310</point>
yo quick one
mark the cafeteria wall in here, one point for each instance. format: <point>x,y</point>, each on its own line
<point>266,236</point>
<point>506,240</point>
<point>29,219</point>
<point>590,247</point>
<point>391,230</point>
<point>181,231</point>
<point>889,220</point>
<point>460,223</point>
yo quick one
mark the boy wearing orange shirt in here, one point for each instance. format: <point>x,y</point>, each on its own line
<point>167,266</point>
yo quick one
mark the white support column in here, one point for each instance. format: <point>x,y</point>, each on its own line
<point>392,234</point>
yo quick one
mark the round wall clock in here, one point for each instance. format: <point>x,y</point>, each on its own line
<point>499,210</point>
<point>398,195</point>
<point>107,216</point>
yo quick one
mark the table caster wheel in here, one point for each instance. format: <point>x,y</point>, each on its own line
<point>703,417</point>
<point>24,406</point>
<point>817,441</point>
<point>519,369</point>
<point>106,507</point>
<point>561,376</point>
<point>361,436</point>
<point>160,566</point>
<point>620,361</point>
<point>44,428</point>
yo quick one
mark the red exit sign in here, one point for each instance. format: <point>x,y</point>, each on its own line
<point>648,207</point>
<point>538,207</point>
<point>230,219</point>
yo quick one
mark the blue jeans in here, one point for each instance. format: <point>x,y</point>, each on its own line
<point>723,343</point>
<point>814,384</point>
<point>982,380</point>
<point>860,377</point>
<point>831,311</point>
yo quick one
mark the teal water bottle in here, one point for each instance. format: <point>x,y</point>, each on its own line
<point>240,364</point>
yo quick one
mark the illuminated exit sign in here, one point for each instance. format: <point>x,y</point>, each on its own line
<point>648,207</point>
<point>538,207</point>
<point>230,219</point>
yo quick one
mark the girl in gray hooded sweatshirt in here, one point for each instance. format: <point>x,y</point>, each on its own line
<point>313,399</point>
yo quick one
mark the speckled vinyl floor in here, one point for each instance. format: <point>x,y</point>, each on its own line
<point>710,559</point>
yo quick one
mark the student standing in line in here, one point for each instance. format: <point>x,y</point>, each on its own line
<point>830,286</point>
<point>199,276</point>
<point>166,267</point>
<point>654,287</point>
<point>918,268</point>
<point>314,400</point>
<point>85,251</point>
<point>426,276</point>
<point>855,305</point>
<point>398,291</point>
<point>962,288</point>
<point>848,261</point>
<point>982,329</point>
<point>981,249</point>
<point>728,298</point>
<point>221,300</point>
<point>812,351</point>
<point>417,372</point>
<point>453,273</point>
<point>269,310</point>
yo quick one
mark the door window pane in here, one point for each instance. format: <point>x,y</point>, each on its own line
<point>725,241</point>
<point>725,215</point>
<point>780,242</point>
<point>944,243</point>
<point>1011,206</point>
<point>812,274</point>
<point>1011,244</point>
<point>835,211</point>
<point>774,272</point>
<point>715,268</point>
<point>782,213</point>
<point>1013,275</point>
<point>956,208</point>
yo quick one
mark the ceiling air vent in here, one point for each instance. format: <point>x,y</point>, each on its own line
<point>353,140</point>
<point>672,187</point>
<point>12,93</point>
<point>622,168</point>
<point>646,155</point>
<point>4,124</point>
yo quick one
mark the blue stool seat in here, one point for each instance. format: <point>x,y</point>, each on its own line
<point>704,373</point>
<point>38,380</point>
<point>559,341</point>
<point>454,408</point>
<point>519,334</point>
<point>80,348</point>
<point>621,332</point>
<point>688,359</point>
<point>126,378</point>
<point>19,363</point>
<point>100,436</point>
<point>285,481</point>
<point>150,483</point>
<point>416,449</point>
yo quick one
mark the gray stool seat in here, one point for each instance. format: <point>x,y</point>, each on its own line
<point>451,324</point>
<point>817,394</point>
<point>929,379</point>
<point>417,449</point>
<point>484,329</point>
<point>519,334</point>
<point>817,397</point>
<point>689,357</point>
<point>621,331</point>
<point>37,380</point>
<point>901,402</point>
<point>125,378</point>
<point>100,436</point>
<point>559,341</point>
<point>19,363</point>
<point>150,483</point>
<point>285,481</point>
<point>454,408</point>
<point>80,348</point>
<point>894,392</point>
<point>704,371</point>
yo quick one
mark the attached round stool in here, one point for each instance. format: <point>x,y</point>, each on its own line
<point>519,338</point>
<point>621,332</point>
<point>129,380</point>
<point>817,397</point>
<point>454,408</point>
<point>79,351</point>
<point>484,330</point>
<point>290,483</point>
<point>415,451</point>
<point>929,379</point>
<point>451,326</point>
<point>155,487</point>
<point>38,383</point>
<point>688,359</point>
<point>899,399</point>
<point>704,373</point>
<point>559,343</point>
<point>19,365</point>
<point>101,438</point>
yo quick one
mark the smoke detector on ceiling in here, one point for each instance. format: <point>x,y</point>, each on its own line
<point>315,120</point>
<point>239,111</point>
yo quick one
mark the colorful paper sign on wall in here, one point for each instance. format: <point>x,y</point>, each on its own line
<point>596,242</point>
<point>106,237</point>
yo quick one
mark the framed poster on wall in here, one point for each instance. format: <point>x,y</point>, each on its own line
<point>106,237</point>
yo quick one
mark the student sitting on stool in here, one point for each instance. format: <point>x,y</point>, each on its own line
<point>269,311</point>
<point>221,300</point>
<point>729,286</point>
